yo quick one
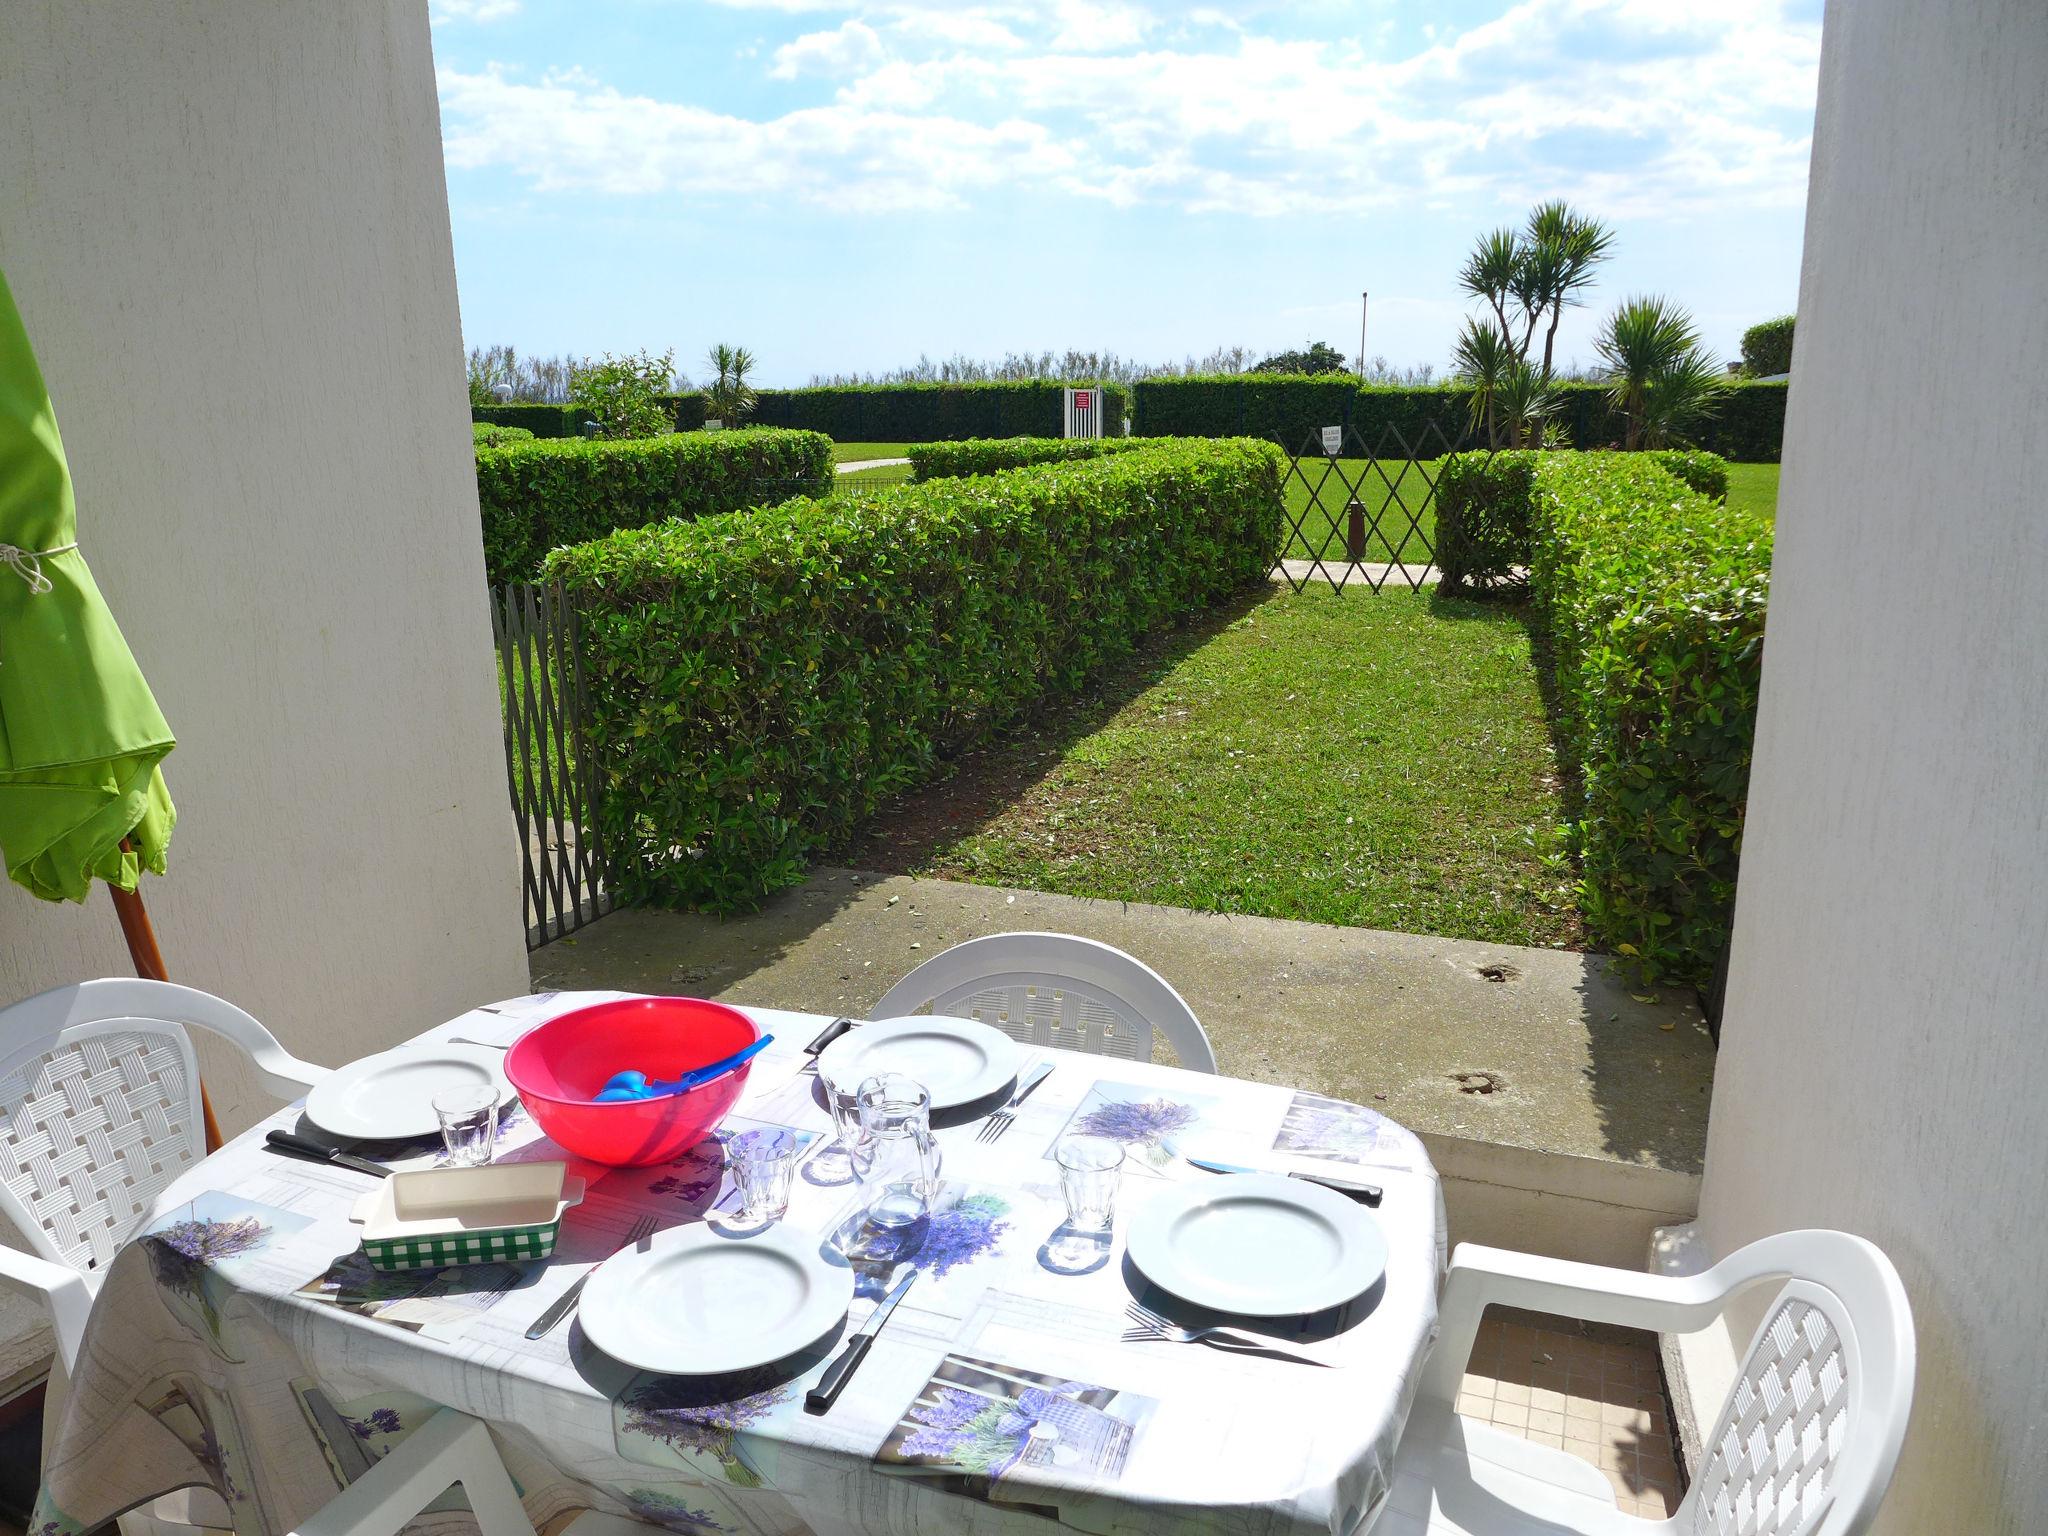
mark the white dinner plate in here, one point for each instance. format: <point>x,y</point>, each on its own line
<point>390,1096</point>
<point>957,1060</point>
<point>1260,1244</point>
<point>692,1301</point>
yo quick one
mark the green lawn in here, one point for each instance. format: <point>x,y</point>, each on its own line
<point>1319,494</point>
<point>847,453</point>
<point>1379,761</point>
<point>886,474</point>
<point>1754,485</point>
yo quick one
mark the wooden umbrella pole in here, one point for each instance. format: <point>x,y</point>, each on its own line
<point>149,964</point>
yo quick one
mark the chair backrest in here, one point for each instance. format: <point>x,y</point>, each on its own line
<point>1806,1443</point>
<point>99,1111</point>
<point>1056,989</point>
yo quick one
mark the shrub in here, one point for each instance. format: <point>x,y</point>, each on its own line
<point>1767,347</point>
<point>929,413</point>
<point>485,435</point>
<point>1484,504</point>
<point>534,496</point>
<point>992,455</point>
<point>622,395</point>
<point>759,683</point>
<point>1653,597</point>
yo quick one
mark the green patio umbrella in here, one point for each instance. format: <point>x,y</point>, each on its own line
<point>81,795</point>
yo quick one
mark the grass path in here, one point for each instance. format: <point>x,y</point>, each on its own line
<point>1377,761</point>
<point>849,453</point>
<point>1755,486</point>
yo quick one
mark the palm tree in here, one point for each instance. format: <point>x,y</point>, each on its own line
<point>1490,272</point>
<point>1564,248</point>
<point>730,395</point>
<point>1658,376</point>
<point>1485,359</point>
<point>1524,403</point>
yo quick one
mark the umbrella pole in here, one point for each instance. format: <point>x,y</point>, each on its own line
<point>149,964</point>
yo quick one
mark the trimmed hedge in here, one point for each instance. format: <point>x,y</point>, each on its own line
<point>541,420</point>
<point>1654,598</point>
<point>1748,425</point>
<point>1767,347</point>
<point>993,455</point>
<point>483,435</point>
<point>1483,507</point>
<point>760,683</point>
<point>929,413</point>
<point>534,496</point>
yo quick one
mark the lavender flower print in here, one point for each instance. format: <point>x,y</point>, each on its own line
<point>707,1417</point>
<point>961,1233</point>
<point>379,1421</point>
<point>182,1253</point>
<point>1338,1131</point>
<point>669,1512</point>
<point>1148,1122</point>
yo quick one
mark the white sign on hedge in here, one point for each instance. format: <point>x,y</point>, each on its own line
<point>1333,441</point>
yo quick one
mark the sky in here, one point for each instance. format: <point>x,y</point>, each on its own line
<point>842,187</point>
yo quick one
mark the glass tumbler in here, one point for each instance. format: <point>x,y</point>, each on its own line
<point>469,1123</point>
<point>763,1163</point>
<point>1090,1169</point>
<point>896,1159</point>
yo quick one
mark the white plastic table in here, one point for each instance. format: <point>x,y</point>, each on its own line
<point>244,1350</point>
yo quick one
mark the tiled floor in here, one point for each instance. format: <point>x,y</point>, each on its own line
<point>1595,1391</point>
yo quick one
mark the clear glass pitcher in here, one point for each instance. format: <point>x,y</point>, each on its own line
<point>896,1159</point>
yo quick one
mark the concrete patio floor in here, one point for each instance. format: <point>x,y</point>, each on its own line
<point>1567,1115</point>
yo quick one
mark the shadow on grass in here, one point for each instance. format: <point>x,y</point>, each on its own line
<point>974,788</point>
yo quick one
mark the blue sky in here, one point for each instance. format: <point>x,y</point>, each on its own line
<point>841,187</point>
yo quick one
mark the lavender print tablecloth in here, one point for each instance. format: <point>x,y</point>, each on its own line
<point>242,1349</point>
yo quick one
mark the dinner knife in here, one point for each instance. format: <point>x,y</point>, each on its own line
<point>821,1397</point>
<point>293,1145</point>
<point>830,1033</point>
<point>1368,1194</point>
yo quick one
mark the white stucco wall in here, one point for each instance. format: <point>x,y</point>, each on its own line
<point>1884,1056</point>
<point>226,225</point>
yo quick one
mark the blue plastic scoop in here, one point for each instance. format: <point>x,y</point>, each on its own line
<point>629,1084</point>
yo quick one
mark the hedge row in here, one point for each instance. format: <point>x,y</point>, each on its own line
<point>534,496</point>
<point>1653,597</point>
<point>760,683</point>
<point>485,435</point>
<point>865,413</point>
<point>1748,425</point>
<point>993,455</point>
<point>1483,506</point>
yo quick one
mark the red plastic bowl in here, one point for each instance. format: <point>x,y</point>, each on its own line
<point>559,1065</point>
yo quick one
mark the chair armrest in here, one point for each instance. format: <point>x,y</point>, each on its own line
<point>64,1288</point>
<point>449,1448</point>
<point>1480,1277</point>
<point>285,1074</point>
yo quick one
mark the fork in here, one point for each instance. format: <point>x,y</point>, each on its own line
<point>1150,1328</point>
<point>1002,1119</point>
<point>566,1302</point>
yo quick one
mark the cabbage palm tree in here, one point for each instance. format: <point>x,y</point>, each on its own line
<point>1658,376</point>
<point>1485,360</point>
<point>1564,248</point>
<point>729,395</point>
<point>1524,404</point>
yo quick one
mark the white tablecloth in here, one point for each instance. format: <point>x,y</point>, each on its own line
<point>242,1349</point>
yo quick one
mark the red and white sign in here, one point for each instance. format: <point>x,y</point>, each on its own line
<point>1083,400</point>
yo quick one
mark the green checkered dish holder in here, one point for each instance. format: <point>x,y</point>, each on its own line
<point>435,1218</point>
<point>504,1245</point>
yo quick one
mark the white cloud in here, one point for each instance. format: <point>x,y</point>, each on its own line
<point>1633,107</point>
<point>847,49</point>
<point>439,11</point>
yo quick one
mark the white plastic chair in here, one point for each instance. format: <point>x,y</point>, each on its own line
<point>1059,990</point>
<point>1804,1446</point>
<point>99,1112</point>
<point>449,1448</point>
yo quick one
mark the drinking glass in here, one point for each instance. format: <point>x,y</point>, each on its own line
<point>469,1123</point>
<point>833,1164</point>
<point>896,1160</point>
<point>762,1163</point>
<point>1090,1169</point>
